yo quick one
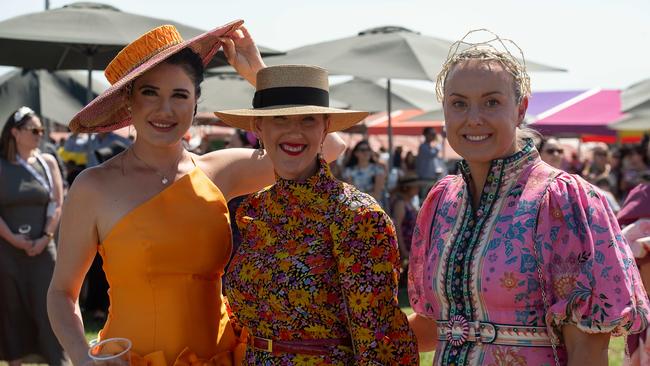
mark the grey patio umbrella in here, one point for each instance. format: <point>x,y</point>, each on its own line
<point>231,91</point>
<point>637,121</point>
<point>81,35</point>
<point>636,97</point>
<point>635,102</point>
<point>370,96</point>
<point>388,52</point>
<point>56,96</point>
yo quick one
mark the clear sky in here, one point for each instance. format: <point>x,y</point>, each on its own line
<point>603,43</point>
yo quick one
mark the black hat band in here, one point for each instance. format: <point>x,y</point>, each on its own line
<point>290,95</point>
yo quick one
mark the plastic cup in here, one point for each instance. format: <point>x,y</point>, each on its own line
<point>111,351</point>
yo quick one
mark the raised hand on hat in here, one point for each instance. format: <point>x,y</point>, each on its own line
<point>242,54</point>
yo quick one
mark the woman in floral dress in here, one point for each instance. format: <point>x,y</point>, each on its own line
<point>314,280</point>
<point>514,262</point>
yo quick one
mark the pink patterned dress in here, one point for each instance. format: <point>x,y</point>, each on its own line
<point>541,250</point>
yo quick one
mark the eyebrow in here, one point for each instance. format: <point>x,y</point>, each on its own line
<point>482,96</point>
<point>147,86</point>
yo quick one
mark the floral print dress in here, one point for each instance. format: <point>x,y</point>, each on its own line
<point>319,260</point>
<point>541,250</point>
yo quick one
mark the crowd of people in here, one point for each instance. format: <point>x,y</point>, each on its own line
<point>511,256</point>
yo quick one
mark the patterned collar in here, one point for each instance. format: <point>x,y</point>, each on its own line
<point>510,165</point>
<point>503,173</point>
<point>322,183</point>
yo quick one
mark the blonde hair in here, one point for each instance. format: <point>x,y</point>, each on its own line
<point>493,50</point>
<point>487,51</point>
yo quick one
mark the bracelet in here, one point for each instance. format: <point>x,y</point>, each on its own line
<point>49,235</point>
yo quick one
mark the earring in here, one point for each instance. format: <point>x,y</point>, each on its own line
<point>260,149</point>
<point>127,99</point>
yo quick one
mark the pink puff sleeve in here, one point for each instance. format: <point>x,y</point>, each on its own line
<point>420,283</point>
<point>588,270</point>
<point>637,235</point>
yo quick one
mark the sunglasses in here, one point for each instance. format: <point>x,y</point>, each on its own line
<point>363,149</point>
<point>553,151</point>
<point>35,130</point>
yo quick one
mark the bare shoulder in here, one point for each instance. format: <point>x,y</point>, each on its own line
<point>49,159</point>
<point>92,181</point>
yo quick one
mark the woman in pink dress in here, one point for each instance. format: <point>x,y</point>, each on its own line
<point>634,217</point>
<point>514,262</point>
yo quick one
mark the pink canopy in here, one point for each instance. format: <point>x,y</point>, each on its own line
<point>586,114</point>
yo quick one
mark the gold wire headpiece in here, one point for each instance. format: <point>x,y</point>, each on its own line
<point>486,50</point>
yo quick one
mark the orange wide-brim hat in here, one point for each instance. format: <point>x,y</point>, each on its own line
<point>109,111</point>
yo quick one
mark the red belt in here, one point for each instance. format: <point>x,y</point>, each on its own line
<point>315,347</point>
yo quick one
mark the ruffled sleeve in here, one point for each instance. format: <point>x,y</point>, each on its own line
<point>365,248</point>
<point>637,235</point>
<point>589,273</point>
<point>419,284</point>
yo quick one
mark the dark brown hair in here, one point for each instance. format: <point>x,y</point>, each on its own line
<point>7,139</point>
<point>191,63</point>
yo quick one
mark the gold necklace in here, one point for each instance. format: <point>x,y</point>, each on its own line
<point>163,178</point>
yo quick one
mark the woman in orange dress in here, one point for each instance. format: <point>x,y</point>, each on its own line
<point>157,213</point>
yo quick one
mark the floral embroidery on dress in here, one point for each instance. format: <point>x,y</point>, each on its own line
<point>319,260</point>
<point>509,281</point>
<point>565,273</point>
<point>504,356</point>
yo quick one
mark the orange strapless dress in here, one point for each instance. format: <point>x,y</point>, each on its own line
<point>163,262</point>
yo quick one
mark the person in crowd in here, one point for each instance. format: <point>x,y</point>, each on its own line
<point>315,278</point>
<point>398,160</point>
<point>615,174</point>
<point>575,164</point>
<point>409,162</point>
<point>514,261</point>
<point>598,167</point>
<point>428,164</point>
<point>31,192</point>
<point>364,172</point>
<point>635,218</point>
<point>635,164</point>
<point>404,213</point>
<point>156,213</point>
<point>551,152</point>
<point>605,188</point>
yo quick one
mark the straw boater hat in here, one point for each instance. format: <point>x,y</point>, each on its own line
<point>109,111</point>
<point>287,90</point>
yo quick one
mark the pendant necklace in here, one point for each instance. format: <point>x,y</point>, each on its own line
<point>163,178</point>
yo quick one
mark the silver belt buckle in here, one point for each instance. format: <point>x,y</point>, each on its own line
<point>485,332</point>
